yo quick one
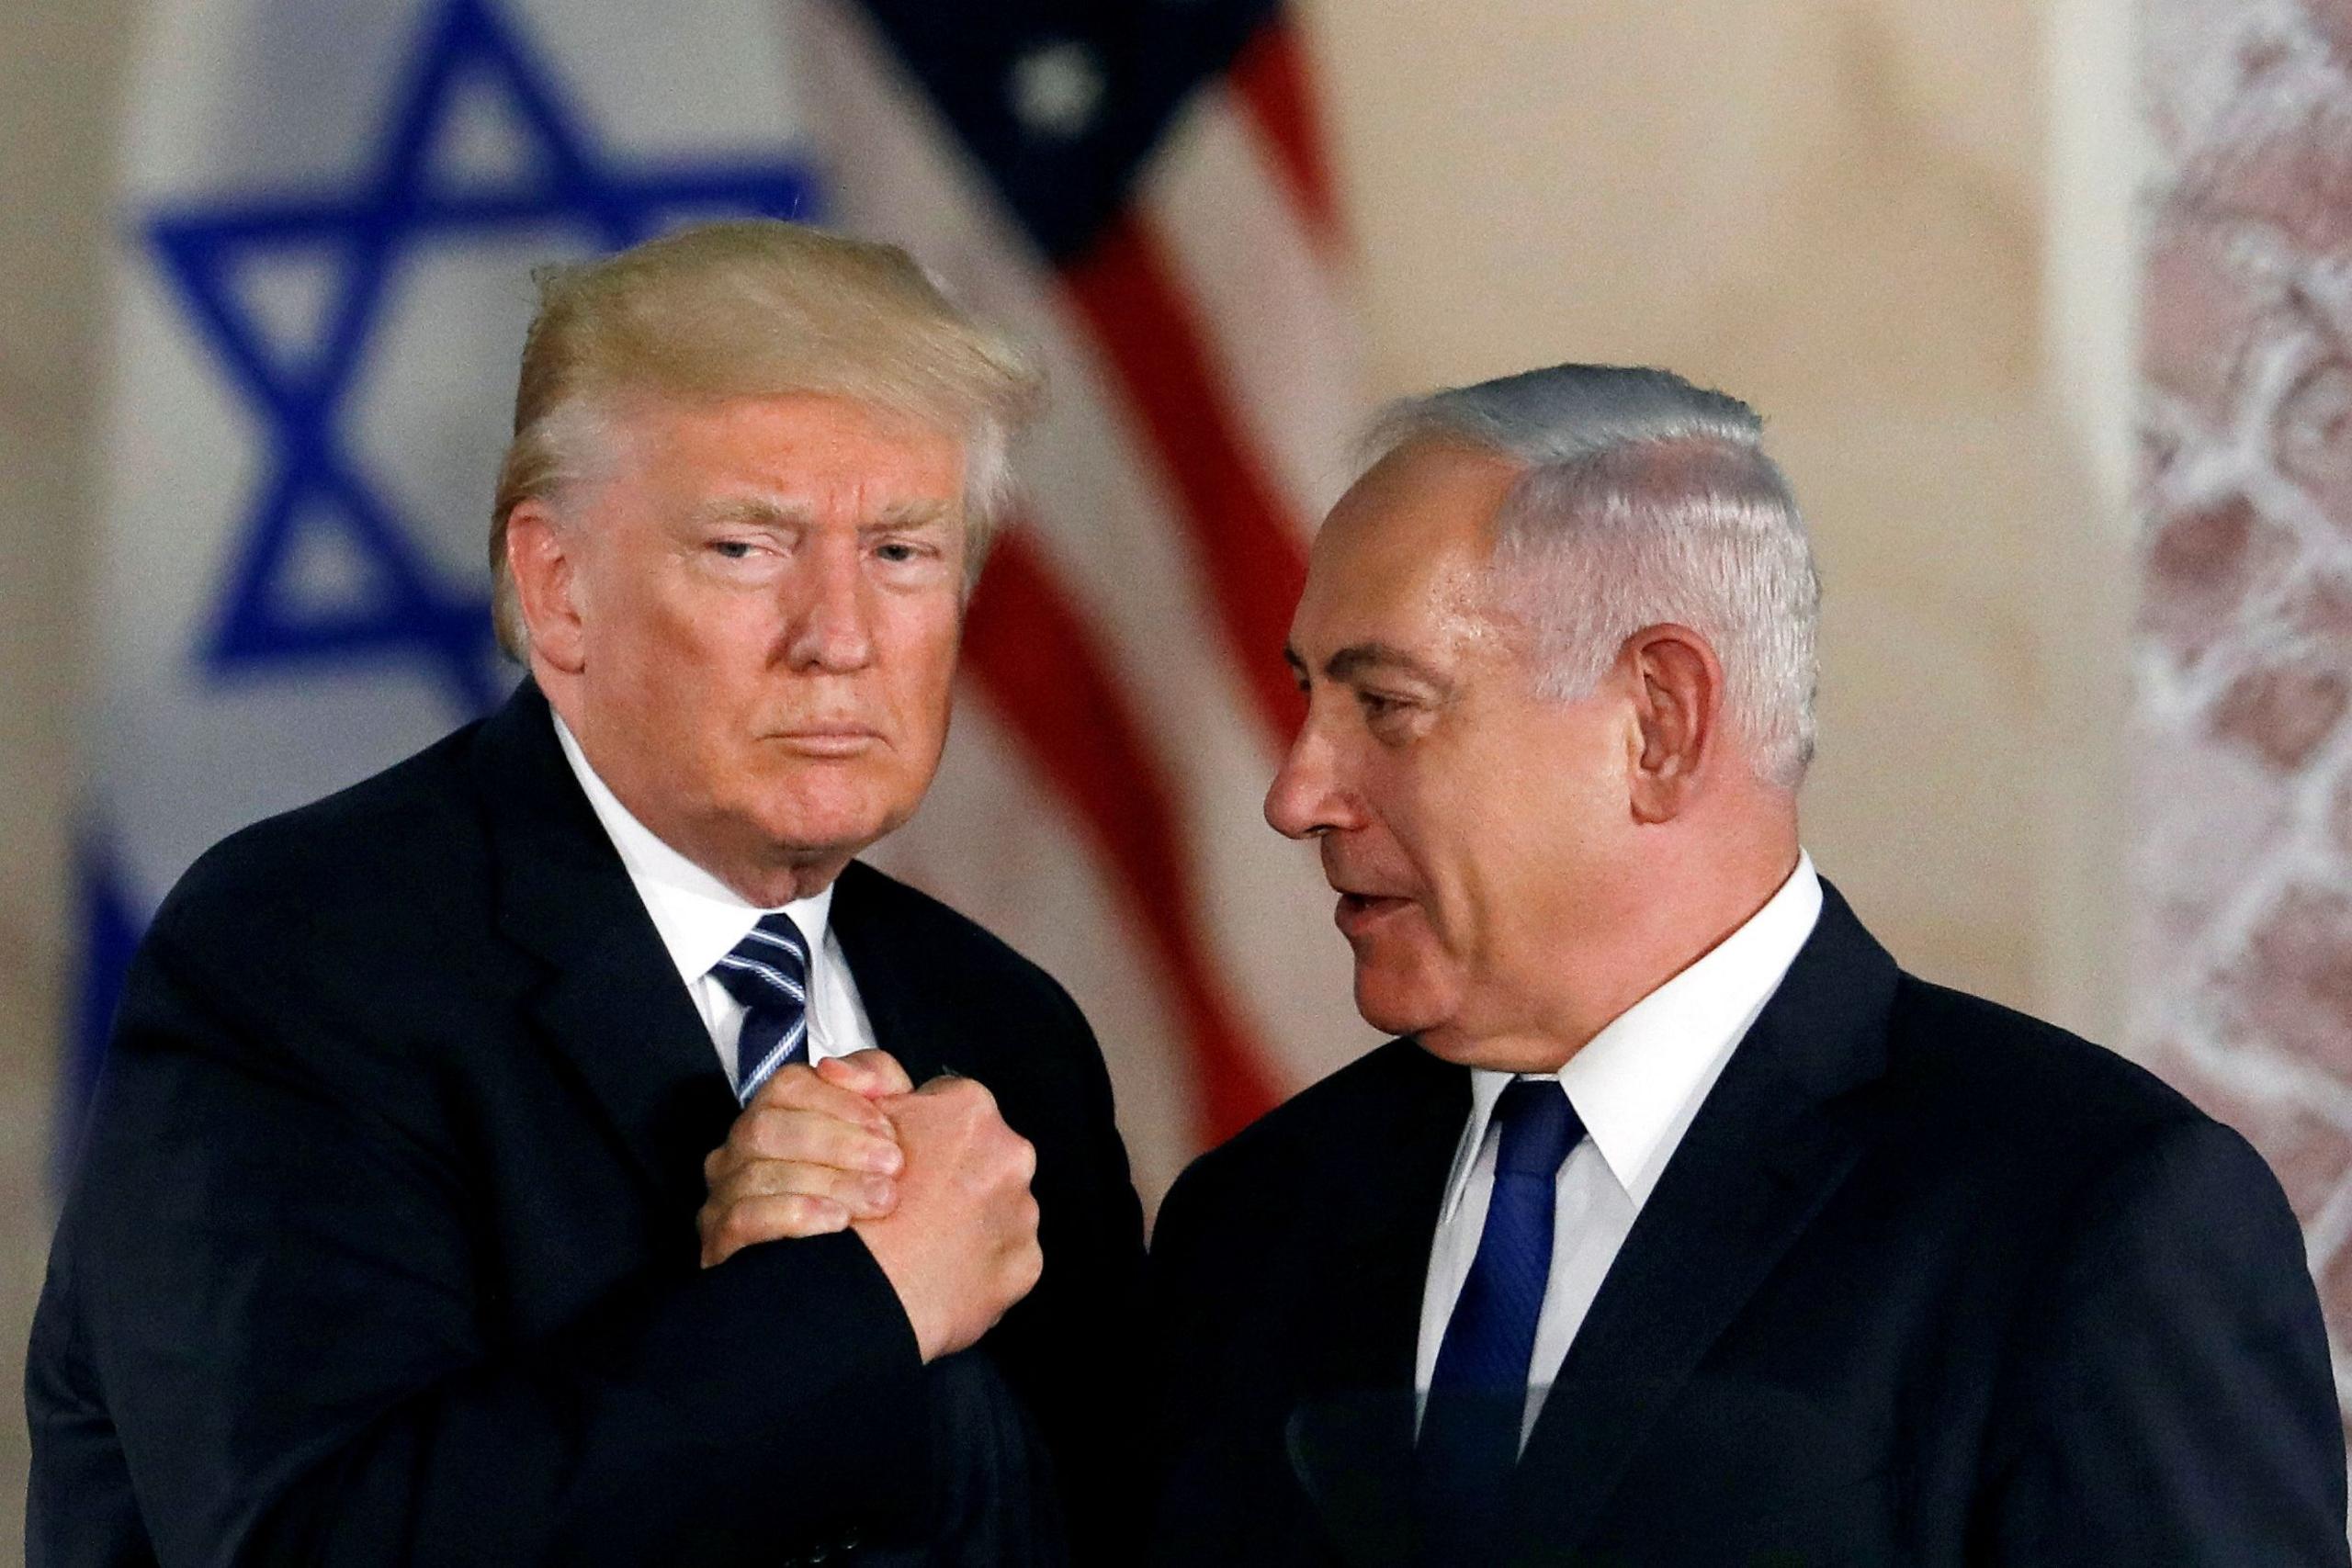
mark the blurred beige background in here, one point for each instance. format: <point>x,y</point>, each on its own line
<point>1901,228</point>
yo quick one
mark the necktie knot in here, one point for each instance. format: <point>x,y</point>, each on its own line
<point>1539,1128</point>
<point>768,973</point>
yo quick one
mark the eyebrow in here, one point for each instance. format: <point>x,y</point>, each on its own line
<point>754,511</point>
<point>758,511</point>
<point>910,514</point>
<point>1359,656</point>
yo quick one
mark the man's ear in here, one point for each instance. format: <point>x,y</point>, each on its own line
<point>546,583</point>
<point>1678,689</point>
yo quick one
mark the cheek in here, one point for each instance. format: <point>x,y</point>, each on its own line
<point>696,670</point>
<point>1439,812</point>
<point>1563,832</point>
<point>659,619</point>
<point>1489,833</point>
<point>921,642</point>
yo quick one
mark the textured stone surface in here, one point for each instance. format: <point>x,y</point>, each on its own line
<point>2243,954</point>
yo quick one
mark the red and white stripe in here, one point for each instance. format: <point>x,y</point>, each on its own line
<point>1125,695</point>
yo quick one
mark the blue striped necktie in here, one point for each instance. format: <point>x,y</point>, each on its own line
<point>768,973</point>
<point>1477,1400</point>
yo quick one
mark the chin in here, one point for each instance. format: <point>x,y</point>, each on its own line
<point>1449,1044</point>
<point>1399,1004</point>
<point>836,813</point>
<point>821,835</point>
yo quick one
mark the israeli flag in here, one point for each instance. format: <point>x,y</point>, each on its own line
<point>330,208</point>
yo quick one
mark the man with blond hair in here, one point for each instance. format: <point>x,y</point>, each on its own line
<point>429,1213</point>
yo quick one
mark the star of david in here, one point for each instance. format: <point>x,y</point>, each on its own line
<point>313,477</point>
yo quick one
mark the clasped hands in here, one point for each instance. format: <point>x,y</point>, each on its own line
<point>931,1180</point>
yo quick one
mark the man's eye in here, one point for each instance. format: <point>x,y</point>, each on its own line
<point>1375,705</point>
<point>733,549</point>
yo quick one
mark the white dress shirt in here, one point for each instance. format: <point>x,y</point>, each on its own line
<point>1636,1085</point>
<point>700,917</point>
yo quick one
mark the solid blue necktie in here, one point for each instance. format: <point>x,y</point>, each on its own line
<point>768,973</point>
<point>1469,1438</point>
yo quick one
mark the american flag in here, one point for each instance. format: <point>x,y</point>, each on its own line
<point>1139,188</point>
<point>330,214</point>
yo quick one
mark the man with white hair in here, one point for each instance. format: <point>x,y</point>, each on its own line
<point>1680,1226</point>
<point>427,1213</point>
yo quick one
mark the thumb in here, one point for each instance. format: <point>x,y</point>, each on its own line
<point>874,1073</point>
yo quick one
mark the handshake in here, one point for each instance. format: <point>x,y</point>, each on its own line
<point>931,1180</point>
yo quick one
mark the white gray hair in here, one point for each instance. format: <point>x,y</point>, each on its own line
<point>1645,499</point>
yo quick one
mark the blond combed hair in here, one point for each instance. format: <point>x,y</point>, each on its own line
<point>746,308</point>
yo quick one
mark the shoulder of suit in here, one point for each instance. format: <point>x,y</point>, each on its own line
<point>2021,1089</point>
<point>412,828</point>
<point>327,944</point>
<point>954,946</point>
<point>1296,1141</point>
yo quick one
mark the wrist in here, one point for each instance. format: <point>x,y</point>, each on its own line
<point>929,1324</point>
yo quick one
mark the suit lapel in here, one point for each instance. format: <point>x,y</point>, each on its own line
<point>1379,1219</point>
<point>1350,1435</point>
<point>1779,1132</point>
<point>609,1002</point>
<point>907,1022</point>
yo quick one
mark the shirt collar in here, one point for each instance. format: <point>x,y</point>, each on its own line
<point>1637,1083</point>
<point>699,917</point>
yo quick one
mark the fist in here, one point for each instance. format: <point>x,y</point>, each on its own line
<point>810,1155</point>
<point>960,1247</point>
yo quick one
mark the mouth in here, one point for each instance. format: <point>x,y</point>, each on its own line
<point>1359,912</point>
<point>829,740</point>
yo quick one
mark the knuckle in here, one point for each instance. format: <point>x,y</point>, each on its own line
<point>1013,1162</point>
<point>824,1182</point>
<point>763,1129</point>
<point>794,1135</point>
<point>790,1085</point>
<point>780,1134</point>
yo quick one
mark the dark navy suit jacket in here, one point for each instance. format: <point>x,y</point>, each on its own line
<point>382,1248</point>
<point>1926,1282</point>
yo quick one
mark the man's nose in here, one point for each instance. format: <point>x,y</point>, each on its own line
<point>832,628</point>
<point>1305,798</point>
